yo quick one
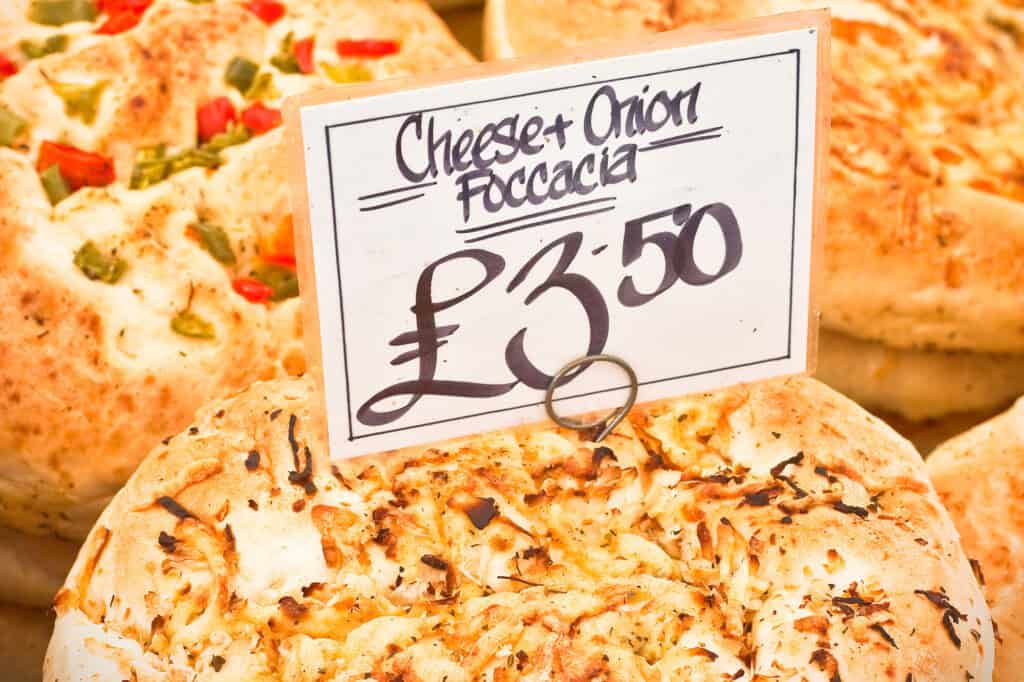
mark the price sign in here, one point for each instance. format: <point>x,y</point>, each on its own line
<point>461,240</point>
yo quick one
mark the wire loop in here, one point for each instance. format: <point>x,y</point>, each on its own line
<point>602,426</point>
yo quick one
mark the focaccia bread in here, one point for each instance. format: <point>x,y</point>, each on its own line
<point>980,477</point>
<point>926,176</point>
<point>144,293</point>
<point>774,531</point>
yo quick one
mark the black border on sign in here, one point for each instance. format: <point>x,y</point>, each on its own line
<point>792,239</point>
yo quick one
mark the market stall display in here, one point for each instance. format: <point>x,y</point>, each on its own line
<point>153,375</point>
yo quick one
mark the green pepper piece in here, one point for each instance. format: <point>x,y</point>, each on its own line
<point>347,73</point>
<point>59,12</point>
<point>99,266</point>
<point>191,158</point>
<point>55,185</point>
<point>148,173</point>
<point>241,73</point>
<point>153,153</point>
<point>11,127</point>
<point>151,166</point>
<point>283,281</point>
<point>285,60</point>
<point>34,49</point>
<point>215,240</point>
<point>235,135</point>
<point>286,63</point>
<point>187,323</point>
<point>81,101</point>
<point>263,88</point>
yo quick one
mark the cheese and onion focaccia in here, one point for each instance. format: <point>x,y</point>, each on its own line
<point>980,478</point>
<point>768,532</point>
<point>926,182</point>
<point>146,260</point>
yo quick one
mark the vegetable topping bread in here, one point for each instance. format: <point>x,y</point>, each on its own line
<point>923,292</point>
<point>980,478</point>
<point>764,532</point>
<point>146,259</point>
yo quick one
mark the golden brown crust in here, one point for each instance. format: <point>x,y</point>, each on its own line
<point>512,28</point>
<point>91,374</point>
<point>980,477</point>
<point>926,161</point>
<point>774,529</point>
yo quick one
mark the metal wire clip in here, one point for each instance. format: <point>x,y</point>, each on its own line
<point>602,426</point>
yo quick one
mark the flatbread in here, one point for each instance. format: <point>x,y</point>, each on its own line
<point>926,186</point>
<point>93,374</point>
<point>772,531</point>
<point>980,477</point>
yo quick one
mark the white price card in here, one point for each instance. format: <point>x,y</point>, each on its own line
<point>462,239</point>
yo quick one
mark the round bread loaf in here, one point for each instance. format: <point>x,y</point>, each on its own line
<point>121,305</point>
<point>773,531</point>
<point>926,184</point>
<point>980,477</point>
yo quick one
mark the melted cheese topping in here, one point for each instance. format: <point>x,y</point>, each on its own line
<point>717,537</point>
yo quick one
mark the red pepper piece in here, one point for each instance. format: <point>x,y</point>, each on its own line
<point>268,11</point>
<point>7,67</point>
<point>252,290</point>
<point>118,6</point>
<point>214,117</point>
<point>303,51</point>
<point>259,119</point>
<point>366,48</point>
<point>284,259</point>
<point>119,23</point>
<point>79,168</point>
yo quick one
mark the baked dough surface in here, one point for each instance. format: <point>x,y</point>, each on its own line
<point>925,216</point>
<point>918,385</point>
<point>773,531</point>
<point>980,478</point>
<point>91,374</point>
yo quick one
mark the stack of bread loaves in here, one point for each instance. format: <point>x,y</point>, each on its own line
<point>921,305</point>
<point>146,261</point>
<point>922,309</point>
